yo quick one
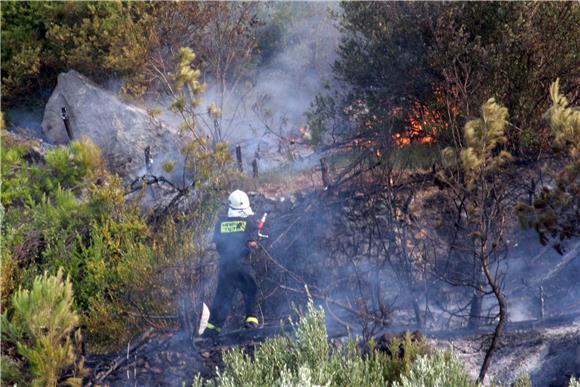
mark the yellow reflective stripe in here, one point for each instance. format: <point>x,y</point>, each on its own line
<point>252,319</point>
<point>233,226</point>
<point>213,327</point>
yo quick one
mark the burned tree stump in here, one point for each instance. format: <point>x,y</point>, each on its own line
<point>239,158</point>
<point>541,300</point>
<point>255,168</point>
<point>324,172</point>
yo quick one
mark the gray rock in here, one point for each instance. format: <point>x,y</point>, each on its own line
<point>121,130</point>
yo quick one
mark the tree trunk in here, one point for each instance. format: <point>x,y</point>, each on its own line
<point>475,310</point>
<point>497,334</point>
<point>418,314</point>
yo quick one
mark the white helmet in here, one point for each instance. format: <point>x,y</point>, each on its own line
<point>239,204</point>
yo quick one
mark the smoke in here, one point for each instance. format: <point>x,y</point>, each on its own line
<point>287,81</point>
<point>267,109</point>
<point>28,118</point>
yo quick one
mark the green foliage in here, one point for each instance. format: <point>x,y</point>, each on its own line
<point>208,164</point>
<point>439,369</point>
<point>494,41</point>
<point>25,183</point>
<point>482,136</point>
<point>307,359</point>
<point>42,325</point>
<point>524,380</point>
<point>187,79</point>
<point>565,123</point>
<point>321,117</point>
<point>555,211</point>
<point>449,57</point>
<point>41,39</point>
<point>10,372</point>
<point>67,211</point>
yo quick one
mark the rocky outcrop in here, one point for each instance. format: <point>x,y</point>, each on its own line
<point>121,130</point>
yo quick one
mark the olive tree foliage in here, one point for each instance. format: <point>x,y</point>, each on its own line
<point>439,369</point>
<point>476,179</point>
<point>555,211</point>
<point>305,357</point>
<point>44,327</point>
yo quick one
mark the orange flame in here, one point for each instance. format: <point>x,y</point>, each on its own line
<point>423,126</point>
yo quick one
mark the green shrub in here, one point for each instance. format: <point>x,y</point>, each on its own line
<point>25,183</point>
<point>68,211</point>
<point>555,211</point>
<point>10,372</point>
<point>524,380</point>
<point>439,369</point>
<point>42,325</point>
<point>306,358</point>
<point>41,39</point>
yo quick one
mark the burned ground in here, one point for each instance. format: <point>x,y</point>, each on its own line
<point>316,247</point>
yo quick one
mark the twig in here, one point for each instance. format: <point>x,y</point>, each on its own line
<point>121,359</point>
<point>283,268</point>
<point>339,304</point>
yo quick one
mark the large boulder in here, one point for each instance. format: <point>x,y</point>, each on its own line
<point>121,130</point>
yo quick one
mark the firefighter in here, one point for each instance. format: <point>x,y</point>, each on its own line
<point>235,237</point>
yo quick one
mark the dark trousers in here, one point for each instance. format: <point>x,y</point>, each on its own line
<point>235,274</point>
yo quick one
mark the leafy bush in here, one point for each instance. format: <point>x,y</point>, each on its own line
<point>25,183</point>
<point>524,380</point>
<point>306,358</point>
<point>439,369</point>
<point>394,57</point>
<point>42,325</point>
<point>44,38</point>
<point>65,210</point>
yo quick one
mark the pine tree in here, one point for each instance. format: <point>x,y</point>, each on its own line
<point>555,211</point>
<point>481,204</point>
<point>42,325</point>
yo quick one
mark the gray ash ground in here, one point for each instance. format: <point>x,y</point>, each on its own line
<point>549,355</point>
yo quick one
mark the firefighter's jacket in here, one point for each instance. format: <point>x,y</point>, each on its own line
<point>232,235</point>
